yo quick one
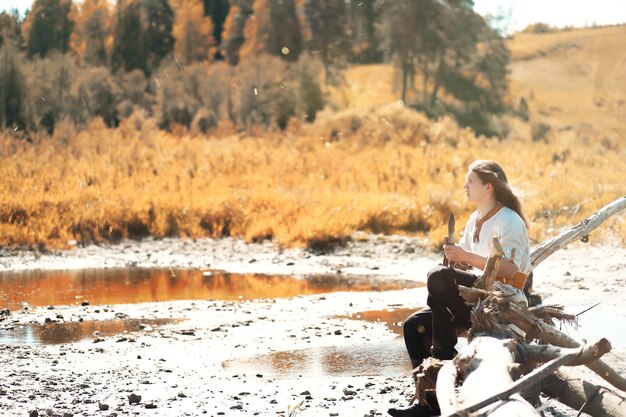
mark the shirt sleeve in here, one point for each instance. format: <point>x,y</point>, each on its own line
<point>466,239</point>
<point>513,235</point>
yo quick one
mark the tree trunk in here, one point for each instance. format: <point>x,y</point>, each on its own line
<point>584,396</point>
<point>405,76</point>
<point>438,74</point>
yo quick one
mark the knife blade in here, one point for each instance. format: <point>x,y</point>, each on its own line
<point>451,229</point>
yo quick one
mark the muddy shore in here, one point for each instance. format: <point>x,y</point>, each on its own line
<point>264,357</point>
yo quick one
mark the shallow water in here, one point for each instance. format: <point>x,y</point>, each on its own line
<point>136,285</point>
<point>387,358</point>
<point>371,359</point>
<point>57,333</point>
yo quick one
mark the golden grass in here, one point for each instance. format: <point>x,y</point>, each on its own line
<point>372,166</point>
<point>386,171</point>
<point>573,79</point>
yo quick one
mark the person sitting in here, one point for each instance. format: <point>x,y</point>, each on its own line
<point>433,331</point>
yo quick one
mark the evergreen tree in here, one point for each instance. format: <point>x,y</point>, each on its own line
<point>129,50</point>
<point>159,21</point>
<point>48,27</point>
<point>217,10</point>
<point>11,85</point>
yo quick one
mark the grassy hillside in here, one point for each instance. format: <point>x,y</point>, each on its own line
<point>573,80</point>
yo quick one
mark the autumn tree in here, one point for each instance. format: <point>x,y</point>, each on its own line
<point>193,31</point>
<point>48,27</point>
<point>274,29</point>
<point>92,31</point>
<point>158,24</point>
<point>129,49</point>
<point>325,31</point>
<point>233,35</point>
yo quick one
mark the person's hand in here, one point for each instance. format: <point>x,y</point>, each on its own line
<point>454,253</point>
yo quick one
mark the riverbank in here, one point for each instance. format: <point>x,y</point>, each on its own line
<point>264,357</point>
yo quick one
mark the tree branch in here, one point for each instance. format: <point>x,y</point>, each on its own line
<point>581,230</point>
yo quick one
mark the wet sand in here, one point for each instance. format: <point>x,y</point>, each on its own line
<point>211,361</point>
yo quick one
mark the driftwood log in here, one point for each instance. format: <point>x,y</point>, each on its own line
<point>580,231</point>
<point>508,339</point>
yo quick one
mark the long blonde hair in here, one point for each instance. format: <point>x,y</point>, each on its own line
<point>490,172</point>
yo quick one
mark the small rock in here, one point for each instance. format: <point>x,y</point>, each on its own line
<point>337,332</point>
<point>183,394</point>
<point>348,392</point>
<point>151,406</point>
<point>68,415</point>
<point>33,413</point>
<point>305,393</point>
<point>237,407</point>
<point>134,399</point>
<point>103,407</point>
<point>50,307</point>
<point>84,303</point>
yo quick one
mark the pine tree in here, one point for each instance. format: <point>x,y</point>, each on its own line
<point>193,31</point>
<point>11,85</point>
<point>48,27</point>
<point>158,23</point>
<point>129,51</point>
<point>217,10</point>
<point>92,32</point>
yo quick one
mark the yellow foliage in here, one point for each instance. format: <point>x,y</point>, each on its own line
<point>390,171</point>
<point>192,30</point>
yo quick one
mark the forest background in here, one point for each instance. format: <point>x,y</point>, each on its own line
<point>298,121</point>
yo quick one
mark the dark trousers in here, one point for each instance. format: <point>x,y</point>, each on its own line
<point>433,331</point>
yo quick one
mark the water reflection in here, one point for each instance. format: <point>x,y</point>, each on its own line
<point>372,359</point>
<point>56,333</point>
<point>392,317</point>
<point>135,285</point>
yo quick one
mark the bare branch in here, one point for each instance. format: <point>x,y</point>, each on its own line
<point>579,231</point>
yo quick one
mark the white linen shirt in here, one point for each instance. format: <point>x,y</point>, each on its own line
<point>510,229</point>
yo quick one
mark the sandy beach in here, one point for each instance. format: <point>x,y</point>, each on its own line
<point>318,354</point>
